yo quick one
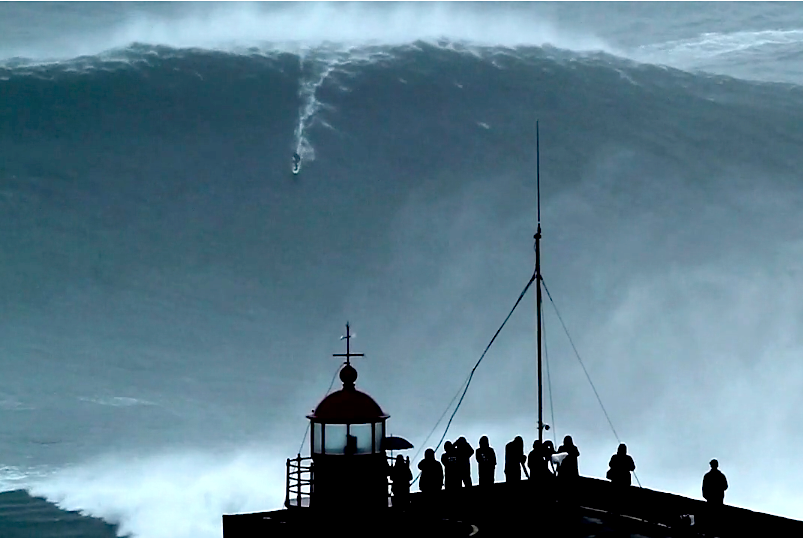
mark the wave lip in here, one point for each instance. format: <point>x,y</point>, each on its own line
<point>301,27</point>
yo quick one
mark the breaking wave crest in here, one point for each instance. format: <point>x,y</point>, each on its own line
<point>296,28</point>
<point>170,495</point>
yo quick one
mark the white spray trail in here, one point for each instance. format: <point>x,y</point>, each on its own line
<point>316,66</point>
<point>310,105</point>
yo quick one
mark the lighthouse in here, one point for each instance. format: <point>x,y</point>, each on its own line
<point>343,486</point>
<point>348,467</point>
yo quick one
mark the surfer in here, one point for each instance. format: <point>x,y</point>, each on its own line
<point>296,162</point>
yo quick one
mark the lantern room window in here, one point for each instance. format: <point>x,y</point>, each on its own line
<point>340,439</point>
<point>317,438</point>
<point>364,435</point>
<point>334,439</point>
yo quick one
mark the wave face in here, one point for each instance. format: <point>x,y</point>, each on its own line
<point>172,291</point>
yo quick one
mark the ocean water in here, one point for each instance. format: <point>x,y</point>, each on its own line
<point>171,294</point>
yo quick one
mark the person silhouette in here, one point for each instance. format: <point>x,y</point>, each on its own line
<point>535,460</point>
<point>620,467</point>
<point>464,453</point>
<point>568,468</point>
<point>401,476</point>
<point>515,460</point>
<point>714,484</point>
<point>486,462</point>
<point>351,445</point>
<point>431,479</point>
<point>549,451</point>
<point>451,467</point>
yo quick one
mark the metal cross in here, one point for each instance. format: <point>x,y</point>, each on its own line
<point>348,354</point>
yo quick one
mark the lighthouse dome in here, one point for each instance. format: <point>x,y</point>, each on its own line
<point>348,405</point>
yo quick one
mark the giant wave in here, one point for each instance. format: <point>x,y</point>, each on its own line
<point>158,176</point>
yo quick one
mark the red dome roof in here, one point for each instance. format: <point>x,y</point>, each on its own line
<point>347,405</point>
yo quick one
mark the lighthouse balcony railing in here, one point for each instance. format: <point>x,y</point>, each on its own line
<point>299,483</point>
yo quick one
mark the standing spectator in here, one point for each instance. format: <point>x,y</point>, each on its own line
<point>621,465</point>
<point>486,462</point>
<point>714,484</point>
<point>464,453</point>
<point>431,473</point>
<point>515,460</point>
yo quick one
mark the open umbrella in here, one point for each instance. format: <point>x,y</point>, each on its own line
<point>396,443</point>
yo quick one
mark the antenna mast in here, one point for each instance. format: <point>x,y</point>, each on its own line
<point>538,282</point>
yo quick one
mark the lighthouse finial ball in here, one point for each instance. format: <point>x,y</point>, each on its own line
<point>348,375</point>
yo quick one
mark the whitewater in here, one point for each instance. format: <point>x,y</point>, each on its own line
<point>172,295</point>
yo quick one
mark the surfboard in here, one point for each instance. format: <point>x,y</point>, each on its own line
<point>296,168</point>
